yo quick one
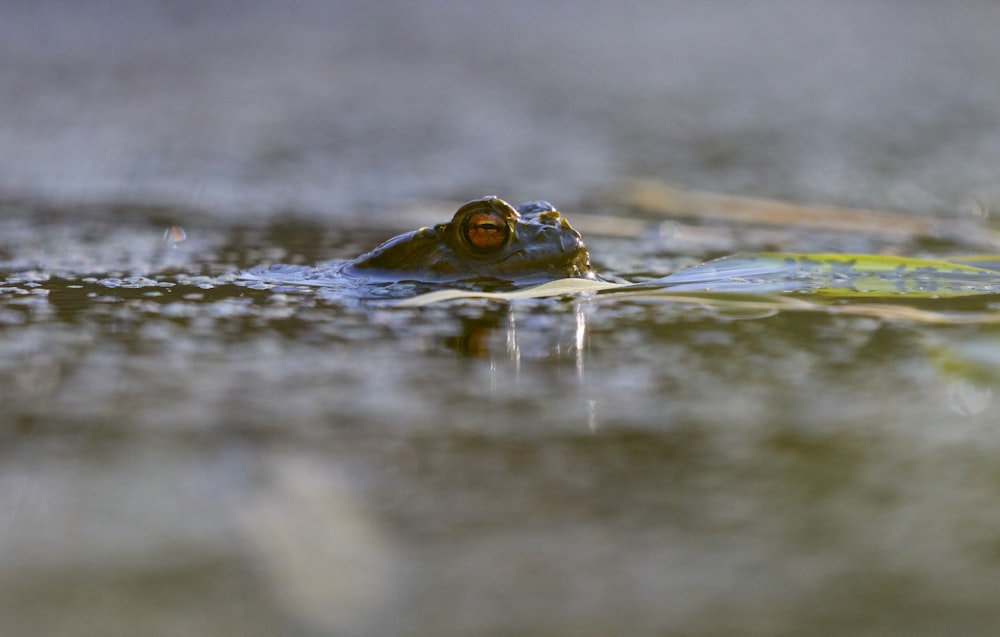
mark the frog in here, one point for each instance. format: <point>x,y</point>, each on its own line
<point>488,244</point>
<point>487,238</point>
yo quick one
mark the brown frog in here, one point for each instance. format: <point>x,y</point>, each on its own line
<point>486,239</point>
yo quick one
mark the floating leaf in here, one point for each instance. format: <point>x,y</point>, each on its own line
<point>985,261</point>
<point>559,287</point>
<point>760,284</point>
<point>841,275</point>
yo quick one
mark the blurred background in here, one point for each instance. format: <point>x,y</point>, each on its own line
<point>251,106</point>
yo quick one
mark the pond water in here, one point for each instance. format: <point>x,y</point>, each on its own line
<point>185,452</point>
<point>184,448</point>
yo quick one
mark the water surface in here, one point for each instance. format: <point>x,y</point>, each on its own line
<point>185,448</point>
<point>185,453</point>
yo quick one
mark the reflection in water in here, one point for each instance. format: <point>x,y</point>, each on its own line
<point>513,346</point>
<point>520,339</point>
<point>475,337</point>
<point>509,334</point>
<point>580,349</point>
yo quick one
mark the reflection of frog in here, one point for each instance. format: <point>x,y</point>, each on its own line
<point>487,238</point>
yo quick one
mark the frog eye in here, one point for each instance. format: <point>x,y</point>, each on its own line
<point>485,230</point>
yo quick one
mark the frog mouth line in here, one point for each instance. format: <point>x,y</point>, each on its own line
<point>523,253</point>
<point>513,254</point>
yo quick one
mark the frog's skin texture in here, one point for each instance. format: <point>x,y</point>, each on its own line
<point>486,239</point>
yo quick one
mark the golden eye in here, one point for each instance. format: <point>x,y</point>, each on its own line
<point>485,230</point>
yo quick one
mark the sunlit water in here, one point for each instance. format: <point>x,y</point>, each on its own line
<point>214,455</point>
